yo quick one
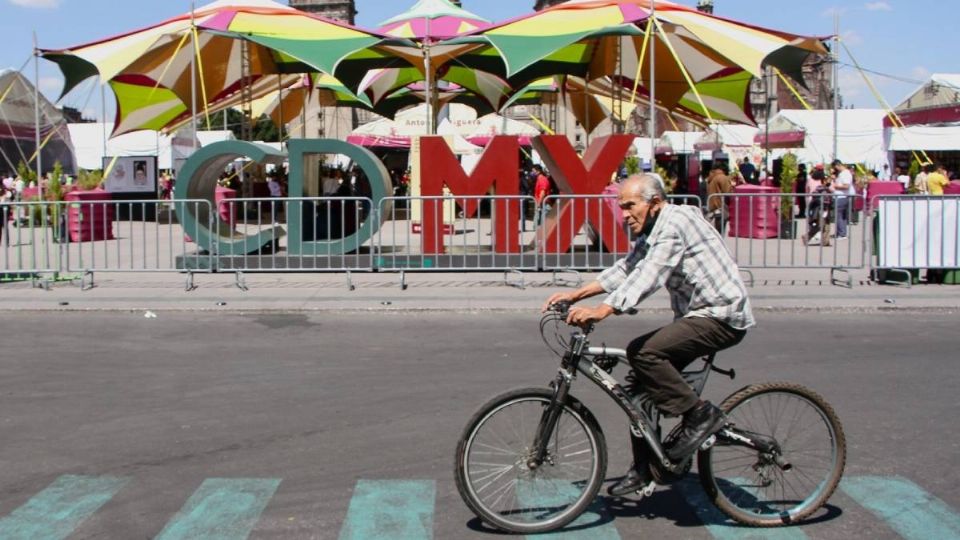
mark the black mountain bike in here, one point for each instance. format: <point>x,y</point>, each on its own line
<point>532,460</point>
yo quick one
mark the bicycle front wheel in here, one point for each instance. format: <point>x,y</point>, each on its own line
<point>763,490</point>
<point>495,474</point>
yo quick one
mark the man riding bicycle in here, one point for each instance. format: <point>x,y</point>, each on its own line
<point>675,247</point>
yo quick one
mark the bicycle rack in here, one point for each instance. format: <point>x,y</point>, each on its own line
<point>848,282</point>
<point>506,279</point>
<point>241,282</point>
<point>579,278</point>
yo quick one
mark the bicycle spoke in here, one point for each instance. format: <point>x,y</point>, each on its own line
<point>755,488</point>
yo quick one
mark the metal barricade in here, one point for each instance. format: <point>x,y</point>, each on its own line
<point>306,234</point>
<point>586,232</point>
<point>913,233</point>
<point>30,240</point>
<point>144,236</point>
<point>456,233</point>
<point>763,231</point>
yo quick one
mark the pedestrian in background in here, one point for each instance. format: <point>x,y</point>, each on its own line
<point>843,187</point>
<point>748,171</point>
<point>801,188</point>
<point>921,180</point>
<point>937,180</point>
<point>541,190</point>
<point>718,184</point>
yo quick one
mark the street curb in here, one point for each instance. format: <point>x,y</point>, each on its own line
<point>884,310</point>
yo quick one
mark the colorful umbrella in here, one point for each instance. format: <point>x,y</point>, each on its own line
<point>428,22</point>
<point>704,67</point>
<point>433,20</point>
<point>240,44</point>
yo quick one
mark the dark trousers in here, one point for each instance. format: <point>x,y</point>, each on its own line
<point>659,357</point>
<point>843,216</point>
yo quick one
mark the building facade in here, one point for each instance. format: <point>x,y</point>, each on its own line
<point>340,10</point>
<point>768,94</point>
<point>326,122</point>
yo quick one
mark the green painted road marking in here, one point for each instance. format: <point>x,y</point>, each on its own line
<point>394,509</point>
<point>222,509</point>
<point>60,508</point>
<point>546,496</point>
<point>911,511</point>
<point>720,526</point>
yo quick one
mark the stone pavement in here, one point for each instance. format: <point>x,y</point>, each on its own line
<point>772,290</point>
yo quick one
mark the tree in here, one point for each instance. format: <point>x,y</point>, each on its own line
<point>789,172</point>
<point>263,130</point>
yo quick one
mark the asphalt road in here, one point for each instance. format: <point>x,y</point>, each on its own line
<point>288,426</point>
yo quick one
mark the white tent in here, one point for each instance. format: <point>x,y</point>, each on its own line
<point>926,138</point>
<point>643,147</point>
<point>725,136</point>
<point>492,125</point>
<point>809,135</point>
<point>678,142</point>
<point>461,121</point>
<point>932,118</point>
<point>170,150</point>
<point>210,137</point>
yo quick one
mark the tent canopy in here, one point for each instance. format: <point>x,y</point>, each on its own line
<point>926,138</point>
<point>809,134</point>
<point>722,136</point>
<point>462,121</point>
<point>170,149</point>
<point>678,142</point>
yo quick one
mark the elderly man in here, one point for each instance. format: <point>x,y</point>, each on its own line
<point>676,248</point>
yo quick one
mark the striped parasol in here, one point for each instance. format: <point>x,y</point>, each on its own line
<point>151,70</point>
<point>704,67</point>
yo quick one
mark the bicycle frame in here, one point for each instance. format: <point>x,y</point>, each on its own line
<point>580,359</point>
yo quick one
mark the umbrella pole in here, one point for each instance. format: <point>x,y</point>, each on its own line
<point>586,109</point>
<point>653,86</point>
<point>280,104</point>
<point>836,76</point>
<point>36,113</point>
<point>428,71</point>
<point>193,77</point>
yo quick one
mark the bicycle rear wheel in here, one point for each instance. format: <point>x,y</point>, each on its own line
<point>493,471</point>
<point>751,487</point>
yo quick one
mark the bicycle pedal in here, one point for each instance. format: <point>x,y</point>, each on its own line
<point>647,490</point>
<point>708,444</point>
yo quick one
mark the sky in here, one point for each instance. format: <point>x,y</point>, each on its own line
<point>900,40</point>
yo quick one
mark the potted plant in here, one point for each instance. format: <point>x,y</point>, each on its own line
<point>788,180</point>
<point>54,193</point>
<point>89,214</point>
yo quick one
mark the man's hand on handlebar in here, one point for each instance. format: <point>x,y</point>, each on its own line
<point>584,316</point>
<point>568,298</point>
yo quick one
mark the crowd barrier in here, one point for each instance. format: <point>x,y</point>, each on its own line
<point>90,237</point>
<point>779,231</point>
<point>456,233</point>
<point>914,233</point>
<point>332,235</point>
<point>29,248</point>
<point>586,233</point>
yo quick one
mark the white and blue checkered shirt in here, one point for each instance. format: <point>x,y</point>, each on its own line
<point>685,253</point>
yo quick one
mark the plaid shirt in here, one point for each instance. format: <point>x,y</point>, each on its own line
<point>685,253</point>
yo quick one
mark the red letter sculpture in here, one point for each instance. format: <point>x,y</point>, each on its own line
<point>587,177</point>
<point>499,166</point>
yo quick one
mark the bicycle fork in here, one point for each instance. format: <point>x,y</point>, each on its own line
<point>549,419</point>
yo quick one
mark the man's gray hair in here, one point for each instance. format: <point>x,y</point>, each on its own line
<point>648,186</point>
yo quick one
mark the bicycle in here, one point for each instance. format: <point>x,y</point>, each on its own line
<point>532,460</point>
